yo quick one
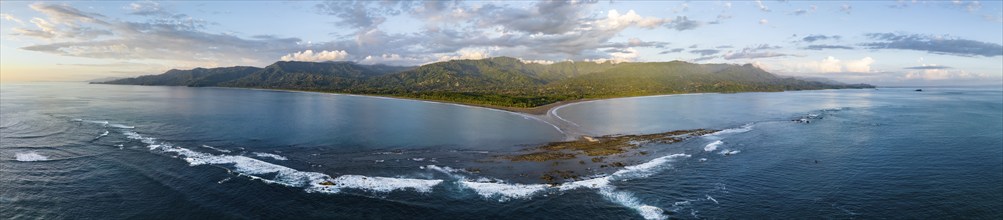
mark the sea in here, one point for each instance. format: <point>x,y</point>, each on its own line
<point>71,150</point>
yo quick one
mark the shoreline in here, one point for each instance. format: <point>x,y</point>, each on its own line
<point>545,113</point>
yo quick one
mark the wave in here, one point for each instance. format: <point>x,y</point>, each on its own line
<point>216,149</point>
<point>268,155</point>
<point>504,191</point>
<point>101,135</point>
<point>743,129</point>
<point>314,182</point>
<point>121,126</point>
<point>310,181</point>
<point>30,156</point>
<point>91,121</point>
<point>727,152</point>
<point>713,146</point>
<point>628,200</point>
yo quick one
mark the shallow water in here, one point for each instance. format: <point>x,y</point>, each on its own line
<point>71,150</point>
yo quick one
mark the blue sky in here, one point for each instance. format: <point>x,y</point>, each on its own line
<point>883,43</point>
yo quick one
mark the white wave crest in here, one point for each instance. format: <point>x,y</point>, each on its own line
<point>645,169</point>
<point>628,200</point>
<point>30,156</point>
<point>743,129</point>
<point>311,181</point>
<point>216,149</point>
<point>504,191</point>
<point>101,135</point>
<point>713,146</point>
<point>373,184</point>
<point>727,152</point>
<point>120,126</point>
<point>268,155</point>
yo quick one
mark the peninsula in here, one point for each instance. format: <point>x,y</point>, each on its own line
<point>502,82</point>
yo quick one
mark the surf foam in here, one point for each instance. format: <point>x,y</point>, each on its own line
<point>30,156</point>
<point>268,155</point>
<point>101,135</point>
<point>503,191</point>
<point>310,181</point>
<point>120,126</point>
<point>743,129</point>
<point>713,146</point>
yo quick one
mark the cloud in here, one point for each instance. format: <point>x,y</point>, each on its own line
<point>682,23</point>
<point>72,32</point>
<point>9,17</point>
<point>927,67</point>
<point>146,8</point>
<point>755,52</point>
<point>705,52</point>
<point>763,21</point>
<point>65,14</point>
<point>674,50</point>
<point>309,55</point>
<point>701,59</point>
<point>846,8</point>
<point>818,37</point>
<point>831,65</point>
<point>942,74</point>
<point>762,7</point>
<point>824,47</point>
<point>933,44</point>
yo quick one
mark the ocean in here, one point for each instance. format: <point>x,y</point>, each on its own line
<point>74,150</point>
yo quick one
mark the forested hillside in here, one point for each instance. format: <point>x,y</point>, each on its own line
<point>500,81</point>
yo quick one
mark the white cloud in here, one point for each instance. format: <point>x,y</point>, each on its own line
<point>9,17</point>
<point>762,7</point>
<point>309,55</point>
<point>830,65</point>
<point>614,20</point>
<point>860,66</point>
<point>763,21</point>
<point>941,74</point>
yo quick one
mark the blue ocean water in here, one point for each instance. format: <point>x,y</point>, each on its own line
<point>72,150</point>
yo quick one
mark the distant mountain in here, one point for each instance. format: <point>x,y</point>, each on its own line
<point>499,81</point>
<point>104,79</point>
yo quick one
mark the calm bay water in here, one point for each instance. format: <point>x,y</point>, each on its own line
<point>72,150</point>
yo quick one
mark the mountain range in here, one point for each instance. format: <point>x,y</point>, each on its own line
<point>499,81</point>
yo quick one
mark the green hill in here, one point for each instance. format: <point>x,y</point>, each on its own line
<point>500,81</point>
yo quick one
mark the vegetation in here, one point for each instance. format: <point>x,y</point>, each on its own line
<point>500,81</point>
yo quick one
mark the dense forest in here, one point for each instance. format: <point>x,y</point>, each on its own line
<point>499,81</point>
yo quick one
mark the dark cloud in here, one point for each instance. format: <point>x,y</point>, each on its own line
<point>927,67</point>
<point>682,23</point>
<point>754,52</point>
<point>933,44</point>
<point>724,47</point>
<point>548,17</point>
<point>174,37</point>
<point>818,37</point>
<point>698,59</point>
<point>706,52</point>
<point>824,47</point>
<point>674,50</point>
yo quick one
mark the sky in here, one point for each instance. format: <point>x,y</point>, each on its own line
<point>886,43</point>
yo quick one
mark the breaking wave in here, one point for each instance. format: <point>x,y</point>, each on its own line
<point>101,135</point>
<point>314,182</point>
<point>30,156</point>
<point>268,155</point>
<point>743,129</point>
<point>310,181</point>
<point>713,146</point>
